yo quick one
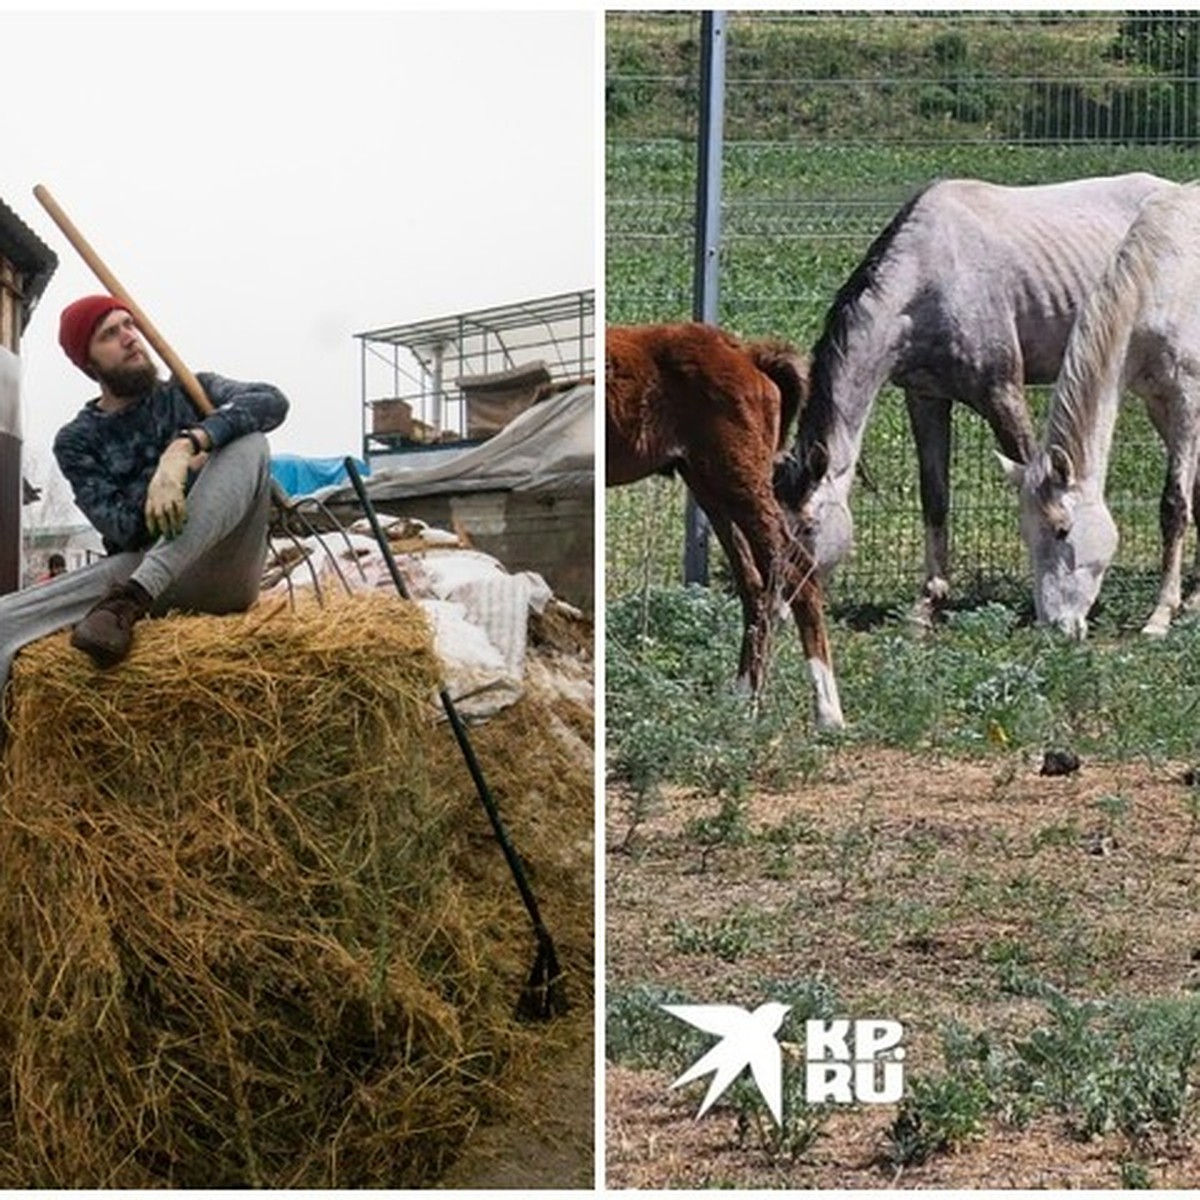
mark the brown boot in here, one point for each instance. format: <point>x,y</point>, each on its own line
<point>106,633</point>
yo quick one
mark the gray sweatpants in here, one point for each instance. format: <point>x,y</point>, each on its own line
<point>214,566</point>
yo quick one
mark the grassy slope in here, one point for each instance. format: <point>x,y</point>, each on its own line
<point>830,123</point>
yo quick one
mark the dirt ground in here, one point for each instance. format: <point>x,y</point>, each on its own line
<point>653,1141</point>
<point>550,1146</point>
<point>909,877</point>
<point>547,1139</point>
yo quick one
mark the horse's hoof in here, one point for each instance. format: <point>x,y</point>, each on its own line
<point>921,617</point>
<point>743,689</point>
<point>937,591</point>
<point>1158,625</point>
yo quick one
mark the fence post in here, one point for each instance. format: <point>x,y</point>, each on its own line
<point>705,280</point>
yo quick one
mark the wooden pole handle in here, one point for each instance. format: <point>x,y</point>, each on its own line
<point>187,380</point>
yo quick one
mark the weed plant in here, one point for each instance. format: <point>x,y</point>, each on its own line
<point>729,937</point>
<point>638,1034</point>
<point>985,683</point>
<point>1127,1068</point>
<point>641,1036</point>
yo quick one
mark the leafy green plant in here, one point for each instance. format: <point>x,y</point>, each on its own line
<point>939,1113</point>
<point>729,937</point>
<point>1117,1067</point>
<point>1127,1068</point>
<point>803,1123</point>
<point>673,713</point>
<point>1114,807</point>
<point>673,716</point>
<point>801,1127</point>
<point>726,827</point>
<point>1134,1174</point>
<point>639,1034</point>
<point>853,850</point>
<point>1192,801</point>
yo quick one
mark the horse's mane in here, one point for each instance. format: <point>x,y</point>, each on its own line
<point>839,320</point>
<point>1089,378</point>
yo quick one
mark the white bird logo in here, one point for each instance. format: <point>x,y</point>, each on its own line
<point>747,1040</point>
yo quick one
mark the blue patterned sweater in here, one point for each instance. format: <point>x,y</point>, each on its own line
<point>110,458</point>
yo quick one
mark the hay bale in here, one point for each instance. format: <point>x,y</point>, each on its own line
<point>245,941</point>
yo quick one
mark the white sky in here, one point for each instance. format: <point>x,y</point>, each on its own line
<point>267,185</point>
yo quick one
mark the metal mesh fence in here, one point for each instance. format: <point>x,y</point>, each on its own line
<point>831,122</point>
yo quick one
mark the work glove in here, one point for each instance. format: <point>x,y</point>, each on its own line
<point>166,497</point>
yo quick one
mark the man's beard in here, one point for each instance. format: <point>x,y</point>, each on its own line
<point>128,383</point>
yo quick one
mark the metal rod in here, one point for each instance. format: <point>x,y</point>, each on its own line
<point>706,271</point>
<point>546,976</point>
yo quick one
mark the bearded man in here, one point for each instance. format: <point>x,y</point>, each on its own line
<point>182,504</point>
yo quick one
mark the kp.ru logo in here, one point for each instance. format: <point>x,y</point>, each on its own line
<point>844,1061</point>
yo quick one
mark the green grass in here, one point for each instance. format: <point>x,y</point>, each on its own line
<point>1124,1068</point>
<point>1097,1060</point>
<point>673,716</point>
<point>922,75</point>
<point>804,193</point>
<point>831,122</point>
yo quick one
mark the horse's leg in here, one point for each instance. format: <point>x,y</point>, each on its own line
<point>1156,408</point>
<point>783,562</point>
<point>752,583</point>
<point>929,419</point>
<point>1007,412</point>
<point>806,597</point>
<point>735,486</point>
<point>1174,518</point>
<point>754,589</point>
<point>1175,511</point>
<point>1191,602</point>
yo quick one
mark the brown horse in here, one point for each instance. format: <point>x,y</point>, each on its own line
<point>692,399</point>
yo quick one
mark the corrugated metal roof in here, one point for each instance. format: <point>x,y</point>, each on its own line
<point>30,255</point>
<point>449,331</point>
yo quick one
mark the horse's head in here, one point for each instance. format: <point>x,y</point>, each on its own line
<point>818,512</point>
<point>1070,534</point>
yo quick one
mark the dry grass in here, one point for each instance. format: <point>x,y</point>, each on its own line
<point>922,888</point>
<point>255,930</point>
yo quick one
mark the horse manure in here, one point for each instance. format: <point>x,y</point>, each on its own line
<point>1059,762</point>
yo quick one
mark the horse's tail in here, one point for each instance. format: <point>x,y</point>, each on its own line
<point>787,368</point>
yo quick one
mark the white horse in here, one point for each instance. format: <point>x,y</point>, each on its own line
<point>1139,329</point>
<point>968,294</point>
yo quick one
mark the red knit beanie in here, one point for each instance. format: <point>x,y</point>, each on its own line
<point>77,324</point>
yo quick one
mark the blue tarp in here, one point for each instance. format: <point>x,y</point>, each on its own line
<point>299,476</point>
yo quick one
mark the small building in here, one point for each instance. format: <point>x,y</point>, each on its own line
<point>26,265</point>
<point>484,423</point>
<point>526,497</point>
<point>430,386</point>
